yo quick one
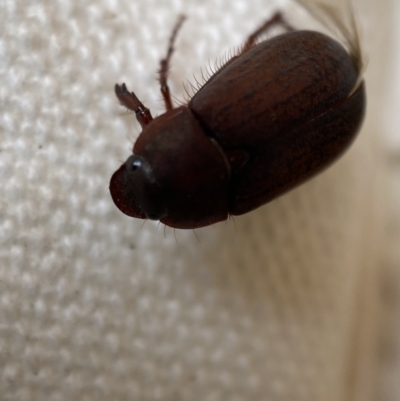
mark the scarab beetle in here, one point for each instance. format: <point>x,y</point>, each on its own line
<point>273,116</point>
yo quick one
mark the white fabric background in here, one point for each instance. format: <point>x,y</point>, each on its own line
<point>279,305</point>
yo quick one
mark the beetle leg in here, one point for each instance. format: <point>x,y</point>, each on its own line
<point>131,102</point>
<point>276,19</point>
<point>164,65</point>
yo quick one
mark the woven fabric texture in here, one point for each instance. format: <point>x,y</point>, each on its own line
<point>277,305</point>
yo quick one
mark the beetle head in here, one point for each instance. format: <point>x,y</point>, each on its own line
<point>177,174</point>
<point>134,190</point>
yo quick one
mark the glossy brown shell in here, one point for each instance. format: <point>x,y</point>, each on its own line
<point>286,104</point>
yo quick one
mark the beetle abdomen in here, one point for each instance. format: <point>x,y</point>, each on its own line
<point>286,96</point>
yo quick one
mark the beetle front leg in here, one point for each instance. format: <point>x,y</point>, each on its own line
<point>276,19</point>
<point>164,65</point>
<point>131,102</point>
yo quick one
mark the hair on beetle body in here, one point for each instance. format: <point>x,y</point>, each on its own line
<point>270,117</point>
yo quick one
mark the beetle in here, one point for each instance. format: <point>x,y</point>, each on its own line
<point>271,117</point>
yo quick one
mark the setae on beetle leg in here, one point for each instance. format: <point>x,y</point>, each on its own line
<point>131,102</point>
<point>164,65</point>
<point>276,19</point>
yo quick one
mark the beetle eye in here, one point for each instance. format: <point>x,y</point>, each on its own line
<point>139,165</point>
<point>133,163</point>
<point>136,164</point>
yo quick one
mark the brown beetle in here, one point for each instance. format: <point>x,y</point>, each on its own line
<point>274,115</point>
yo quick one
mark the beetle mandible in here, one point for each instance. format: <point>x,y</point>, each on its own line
<point>271,117</point>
